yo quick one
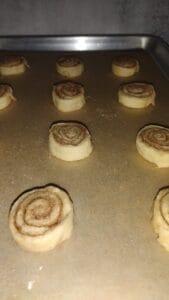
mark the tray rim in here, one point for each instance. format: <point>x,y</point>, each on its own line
<point>156,46</point>
<point>92,42</point>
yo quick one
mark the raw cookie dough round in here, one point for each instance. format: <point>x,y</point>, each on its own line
<point>160,219</point>
<point>68,96</point>
<point>6,96</point>
<point>69,66</point>
<point>70,141</point>
<point>152,143</point>
<point>41,218</point>
<point>12,65</point>
<point>125,66</point>
<point>136,95</point>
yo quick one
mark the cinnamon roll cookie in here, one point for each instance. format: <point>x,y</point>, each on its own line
<point>152,143</point>
<point>68,96</point>
<point>125,66</point>
<point>6,96</point>
<point>136,95</point>
<point>69,66</point>
<point>70,141</point>
<point>11,65</point>
<point>41,218</point>
<point>160,219</point>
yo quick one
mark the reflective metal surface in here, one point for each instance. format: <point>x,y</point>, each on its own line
<point>154,45</point>
<point>77,43</point>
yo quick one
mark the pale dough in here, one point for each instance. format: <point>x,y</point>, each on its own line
<point>70,66</point>
<point>125,66</point>
<point>13,65</point>
<point>152,143</point>
<point>41,218</point>
<point>70,141</point>
<point>6,96</point>
<point>160,219</point>
<point>136,95</point>
<point>68,96</point>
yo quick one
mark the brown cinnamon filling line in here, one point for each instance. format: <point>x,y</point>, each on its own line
<point>50,202</point>
<point>157,138</point>
<point>139,90</point>
<point>72,134</point>
<point>162,199</point>
<point>69,61</point>
<point>67,90</point>
<point>125,61</point>
<point>11,61</point>
<point>3,89</point>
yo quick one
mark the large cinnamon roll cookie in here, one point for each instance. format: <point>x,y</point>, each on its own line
<point>136,95</point>
<point>125,66</point>
<point>70,141</point>
<point>152,143</point>
<point>12,65</point>
<point>41,218</point>
<point>6,96</point>
<point>69,66</point>
<point>160,219</point>
<point>68,96</point>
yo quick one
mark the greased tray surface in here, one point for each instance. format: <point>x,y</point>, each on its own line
<point>112,253</point>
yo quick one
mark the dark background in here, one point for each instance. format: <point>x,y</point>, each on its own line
<point>35,17</point>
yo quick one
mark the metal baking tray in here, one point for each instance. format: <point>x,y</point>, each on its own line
<point>112,253</point>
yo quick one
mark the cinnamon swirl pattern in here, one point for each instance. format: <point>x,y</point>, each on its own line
<point>70,141</point>
<point>160,219</point>
<point>69,66</point>
<point>136,95</point>
<point>125,66</point>
<point>6,96</point>
<point>152,143</point>
<point>68,96</point>
<point>41,218</point>
<point>12,65</point>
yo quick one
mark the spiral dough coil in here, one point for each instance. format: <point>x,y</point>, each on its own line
<point>136,95</point>
<point>41,218</point>
<point>125,66</point>
<point>68,96</point>
<point>70,141</point>
<point>160,219</point>
<point>69,66</point>
<point>13,65</point>
<point>6,96</point>
<point>152,143</point>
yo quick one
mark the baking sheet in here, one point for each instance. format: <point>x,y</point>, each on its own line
<point>112,253</point>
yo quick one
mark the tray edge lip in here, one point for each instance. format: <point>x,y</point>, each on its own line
<point>24,42</point>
